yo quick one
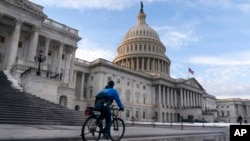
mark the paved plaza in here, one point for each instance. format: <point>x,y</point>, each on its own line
<point>10,132</point>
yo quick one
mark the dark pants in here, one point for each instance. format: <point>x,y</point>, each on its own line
<point>106,114</point>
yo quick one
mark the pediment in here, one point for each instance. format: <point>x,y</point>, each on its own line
<point>28,6</point>
<point>193,83</point>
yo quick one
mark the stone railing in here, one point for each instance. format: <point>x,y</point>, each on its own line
<point>60,26</point>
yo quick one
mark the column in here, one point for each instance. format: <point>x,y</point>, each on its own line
<point>153,64</point>
<point>148,67</point>
<point>60,57</point>
<point>170,96</point>
<point>153,95</point>
<point>168,101</point>
<point>72,67</point>
<point>181,95</point>
<point>13,44</point>
<point>191,99</point>
<point>137,63</point>
<point>33,43</point>
<point>159,94</point>
<point>143,63</point>
<point>46,49</point>
<point>132,63</point>
<point>175,95</point>
<point>82,86</point>
<point>185,98</point>
<point>164,95</point>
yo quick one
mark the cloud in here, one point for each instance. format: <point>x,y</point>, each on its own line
<point>232,59</point>
<point>89,51</point>
<point>224,76</point>
<point>88,4</point>
<point>175,37</point>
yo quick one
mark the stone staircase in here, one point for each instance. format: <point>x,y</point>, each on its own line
<point>18,107</point>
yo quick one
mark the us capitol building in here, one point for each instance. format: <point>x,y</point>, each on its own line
<point>141,70</point>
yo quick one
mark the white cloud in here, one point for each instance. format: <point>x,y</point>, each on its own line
<point>232,59</point>
<point>89,51</point>
<point>88,4</point>
<point>174,38</point>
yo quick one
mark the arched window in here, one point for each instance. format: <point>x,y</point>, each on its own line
<point>128,96</point>
<point>77,107</point>
<point>63,100</point>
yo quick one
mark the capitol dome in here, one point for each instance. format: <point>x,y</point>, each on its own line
<point>142,49</point>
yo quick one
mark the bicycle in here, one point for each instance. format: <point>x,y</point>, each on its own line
<point>93,126</point>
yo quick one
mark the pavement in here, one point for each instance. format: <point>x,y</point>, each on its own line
<point>11,132</point>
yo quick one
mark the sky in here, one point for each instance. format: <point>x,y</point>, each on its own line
<point>212,37</point>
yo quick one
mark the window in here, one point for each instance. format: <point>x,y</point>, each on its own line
<point>109,78</point>
<point>49,52</point>
<point>63,100</point>
<point>144,114</point>
<point>128,83</point>
<point>90,93</point>
<point>63,56</point>
<point>127,113</point>
<point>20,44</point>
<point>85,93</point>
<point>137,85</point>
<point>128,96</point>
<point>144,87</point>
<point>144,100</point>
<point>137,114</point>
<point>118,81</point>
<point>137,98</point>
<point>2,39</point>
<point>92,77</point>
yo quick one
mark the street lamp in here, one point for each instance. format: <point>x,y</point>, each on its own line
<point>39,58</point>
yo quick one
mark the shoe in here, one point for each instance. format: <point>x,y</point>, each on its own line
<point>105,136</point>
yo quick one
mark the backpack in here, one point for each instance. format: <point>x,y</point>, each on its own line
<point>103,99</point>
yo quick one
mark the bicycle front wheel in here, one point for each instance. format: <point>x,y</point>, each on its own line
<point>90,130</point>
<point>117,129</point>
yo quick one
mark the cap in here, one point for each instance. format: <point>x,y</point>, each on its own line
<point>111,83</point>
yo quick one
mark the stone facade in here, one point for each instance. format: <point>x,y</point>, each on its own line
<point>141,70</point>
<point>229,109</point>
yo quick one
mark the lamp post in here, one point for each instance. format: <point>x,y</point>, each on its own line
<point>39,58</point>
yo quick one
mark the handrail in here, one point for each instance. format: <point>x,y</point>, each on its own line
<point>28,71</point>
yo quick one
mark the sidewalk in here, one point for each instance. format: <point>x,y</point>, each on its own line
<point>10,132</point>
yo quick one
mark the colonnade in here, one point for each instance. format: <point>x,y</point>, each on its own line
<point>169,97</point>
<point>32,45</point>
<point>146,64</point>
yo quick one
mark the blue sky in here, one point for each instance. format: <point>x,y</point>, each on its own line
<point>212,37</point>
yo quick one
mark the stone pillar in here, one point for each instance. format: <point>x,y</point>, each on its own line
<point>46,48</point>
<point>164,95</point>
<point>137,63</point>
<point>72,67</point>
<point>159,94</point>
<point>60,58</point>
<point>82,86</point>
<point>185,98</point>
<point>143,63</point>
<point>175,94</point>
<point>181,95</point>
<point>153,64</point>
<point>168,99</point>
<point>153,95</point>
<point>148,67</point>
<point>33,43</point>
<point>13,44</point>
<point>191,99</point>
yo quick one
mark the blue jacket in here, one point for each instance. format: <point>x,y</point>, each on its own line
<point>113,94</point>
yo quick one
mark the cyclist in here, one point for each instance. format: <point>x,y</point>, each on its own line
<point>103,101</point>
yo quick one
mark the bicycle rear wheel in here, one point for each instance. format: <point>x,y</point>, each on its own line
<point>117,129</point>
<point>90,130</point>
